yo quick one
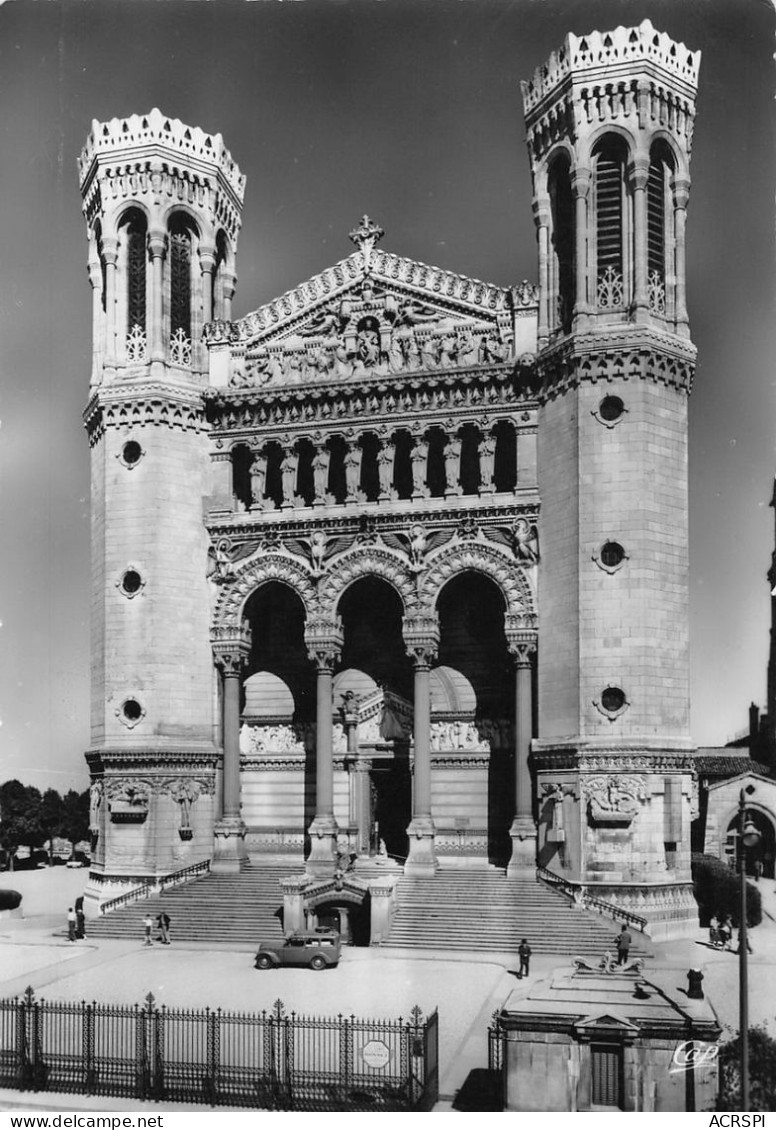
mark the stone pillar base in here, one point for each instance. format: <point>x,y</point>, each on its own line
<point>522,865</point>
<point>229,852</point>
<point>422,862</point>
<point>322,859</point>
<point>293,903</point>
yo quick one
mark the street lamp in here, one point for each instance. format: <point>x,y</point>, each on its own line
<point>748,836</point>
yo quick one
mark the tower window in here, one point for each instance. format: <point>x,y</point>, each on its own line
<point>657,229</point>
<point>180,291</point>
<point>562,265</point>
<point>610,224</point>
<point>133,240</point>
<point>612,554</point>
<point>613,699</point>
<point>610,409</point>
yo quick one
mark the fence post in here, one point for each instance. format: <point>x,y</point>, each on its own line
<point>345,1053</point>
<point>23,1060</point>
<point>35,1051</point>
<point>142,1072</point>
<point>212,1055</point>
<point>158,1020</point>
<point>87,1046</point>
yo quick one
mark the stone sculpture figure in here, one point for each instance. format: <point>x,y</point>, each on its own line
<point>385,468</point>
<point>288,470</point>
<point>185,793</point>
<point>418,543</point>
<point>526,541</point>
<point>352,470</point>
<point>487,455</point>
<point>258,477</point>
<point>95,804</point>
<point>318,542</point>
<point>452,456</point>
<point>419,459</point>
<point>321,472</point>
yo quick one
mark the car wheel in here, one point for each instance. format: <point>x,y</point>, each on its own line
<point>318,962</point>
<point>263,963</point>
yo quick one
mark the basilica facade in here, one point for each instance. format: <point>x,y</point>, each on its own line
<point>395,566</point>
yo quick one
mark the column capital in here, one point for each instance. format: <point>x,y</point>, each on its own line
<point>681,187</point>
<point>421,637</point>
<point>521,645</point>
<point>228,282</point>
<point>109,247</point>
<point>207,258</point>
<point>581,179</point>
<point>231,647</point>
<point>323,639</point>
<point>638,171</point>
<point>157,243</point>
<point>95,273</point>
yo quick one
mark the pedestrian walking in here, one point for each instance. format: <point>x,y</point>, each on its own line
<point>163,922</point>
<point>148,924</point>
<point>524,953</point>
<point>71,924</point>
<point>714,931</point>
<point>623,941</point>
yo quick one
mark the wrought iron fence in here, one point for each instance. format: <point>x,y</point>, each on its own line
<point>271,1060</point>
<point>496,1058</point>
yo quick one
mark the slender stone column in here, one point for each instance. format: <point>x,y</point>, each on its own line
<point>98,326</point>
<point>681,195</point>
<point>230,651</point>
<point>421,639</point>
<point>542,218</point>
<point>523,830</point>
<point>639,175</point>
<point>157,248</point>
<point>228,284</point>
<point>324,645</point>
<point>110,254</point>
<point>580,183</point>
<point>207,265</point>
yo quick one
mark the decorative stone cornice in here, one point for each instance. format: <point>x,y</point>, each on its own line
<point>498,390</point>
<point>624,760</point>
<point>143,404</point>
<point>635,353</point>
<point>151,762</point>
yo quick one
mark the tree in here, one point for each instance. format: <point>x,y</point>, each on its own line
<point>19,818</point>
<point>762,1072</point>
<point>51,808</point>
<point>75,816</point>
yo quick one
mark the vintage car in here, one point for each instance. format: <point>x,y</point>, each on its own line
<point>316,948</point>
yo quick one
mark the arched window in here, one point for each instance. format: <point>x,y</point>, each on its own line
<point>180,290</point>
<point>562,264</point>
<point>218,275</point>
<point>659,219</point>
<point>132,243</point>
<point>611,223</point>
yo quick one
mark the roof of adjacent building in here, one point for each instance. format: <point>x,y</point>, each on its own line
<point>653,998</point>
<point>722,762</point>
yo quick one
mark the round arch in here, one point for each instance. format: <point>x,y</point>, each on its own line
<point>594,140</point>
<point>475,557</point>
<point>247,578</point>
<point>369,561</point>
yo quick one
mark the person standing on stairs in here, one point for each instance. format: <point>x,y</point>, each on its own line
<point>524,953</point>
<point>148,925</point>
<point>163,922</point>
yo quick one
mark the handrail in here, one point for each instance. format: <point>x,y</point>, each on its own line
<point>578,894</point>
<point>153,886</point>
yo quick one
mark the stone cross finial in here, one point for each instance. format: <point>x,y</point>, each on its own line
<point>365,236</point>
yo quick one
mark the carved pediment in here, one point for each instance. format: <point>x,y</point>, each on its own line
<point>373,314</point>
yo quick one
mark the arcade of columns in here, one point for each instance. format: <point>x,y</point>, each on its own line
<point>324,642</point>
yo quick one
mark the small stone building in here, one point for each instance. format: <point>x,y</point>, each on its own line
<point>608,1040</point>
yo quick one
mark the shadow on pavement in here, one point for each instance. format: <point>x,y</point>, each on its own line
<point>481,1092</point>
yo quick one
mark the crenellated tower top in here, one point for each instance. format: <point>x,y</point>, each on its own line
<point>609,122</point>
<point>162,202</point>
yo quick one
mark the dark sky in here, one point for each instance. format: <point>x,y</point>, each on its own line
<point>410,112</point>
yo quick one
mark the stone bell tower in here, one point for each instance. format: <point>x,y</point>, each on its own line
<point>162,206</point>
<point>609,120</point>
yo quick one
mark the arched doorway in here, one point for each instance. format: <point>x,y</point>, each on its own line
<point>761,858</point>
<point>277,724</point>
<point>473,784</point>
<point>379,680</point>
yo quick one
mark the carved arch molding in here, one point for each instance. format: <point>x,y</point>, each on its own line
<point>417,588</point>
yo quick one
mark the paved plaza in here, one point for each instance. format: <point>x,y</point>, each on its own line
<point>466,988</point>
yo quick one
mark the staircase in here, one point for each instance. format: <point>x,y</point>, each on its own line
<point>485,911</point>
<point>239,909</point>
